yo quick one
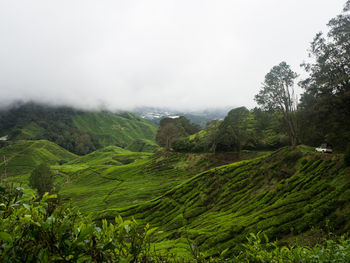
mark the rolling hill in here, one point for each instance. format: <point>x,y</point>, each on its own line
<point>115,129</point>
<point>78,131</point>
<point>287,194</point>
<point>24,156</point>
<point>113,177</point>
<point>19,159</point>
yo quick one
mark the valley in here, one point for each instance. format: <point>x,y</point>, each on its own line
<point>203,192</point>
<point>288,194</point>
<point>175,131</point>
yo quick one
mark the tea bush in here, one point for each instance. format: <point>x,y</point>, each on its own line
<point>36,230</point>
<point>39,230</point>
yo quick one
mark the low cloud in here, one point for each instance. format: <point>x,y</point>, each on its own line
<point>123,54</point>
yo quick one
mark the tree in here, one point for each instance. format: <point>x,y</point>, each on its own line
<point>211,140</point>
<point>326,100</point>
<point>189,128</point>
<point>41,179</point>
<point>277,94</point>
<point>171,129</point>
<point>167,133</point>
<point>232,132</point>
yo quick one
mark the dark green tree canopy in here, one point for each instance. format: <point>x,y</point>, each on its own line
<point>277,92</point>
<point>232,131</point>
<point>42,179</point>
<point>174,128</point>
<point>56,125</point>
<point>326,101</point>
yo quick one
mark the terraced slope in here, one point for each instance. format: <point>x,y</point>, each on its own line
<point>115,129</point>
<point>22,157</point>
<point>104,156</point>
<point>287,194</point>
<point>114,178</point>
<point>78,131</point>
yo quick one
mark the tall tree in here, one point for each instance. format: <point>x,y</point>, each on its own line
<point>277,94</point>
<point>211,140</point>
<point>167,134</point>
<point>327,88</point>
<point>171,129</point>
<point>232,132</point>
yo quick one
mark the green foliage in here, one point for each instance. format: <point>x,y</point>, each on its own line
<point>286,194</point>
<point>241,129</point>
<point>41,179</point>
<point>260,249</point>
<point>39,230</point>
<point>33,121</point>
<point>35,230</point>
<point>171,129</point>
<point>277,94</point>
<point>143,146</point>
<point>325,107</point>
<point>22,157</point>
<point>80,132</point>
<point>120,129</point>
<point>232,132</point>
<point>187,145</point>
<point>114,177</point>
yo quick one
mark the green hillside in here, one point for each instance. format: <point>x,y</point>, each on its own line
<point>103,156</point>
<point>19,159</point>
<point>111,177</point>
<point>115,129</point>
<point>286,194</point>
<point>78,131</point>
<point>114,177</point>
<point>143,145</point>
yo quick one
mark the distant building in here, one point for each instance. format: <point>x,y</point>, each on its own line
<point>4,138</point>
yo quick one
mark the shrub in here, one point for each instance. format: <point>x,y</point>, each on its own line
<point>31,231</point>
<point>41,179</point>
<point>260,249</point>
<point>38,230</point>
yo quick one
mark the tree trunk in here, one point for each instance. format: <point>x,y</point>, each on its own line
<point>292,128</point>
<point>167,144</point>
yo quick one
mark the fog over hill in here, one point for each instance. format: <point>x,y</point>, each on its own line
<point>120,55</point>
<point>200,117</point>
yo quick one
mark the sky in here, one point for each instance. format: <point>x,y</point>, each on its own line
<point>183,54</point>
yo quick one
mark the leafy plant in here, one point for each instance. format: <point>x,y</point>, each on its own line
<point>31,230</point>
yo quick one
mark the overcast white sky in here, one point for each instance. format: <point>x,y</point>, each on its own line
<point>183,54</point>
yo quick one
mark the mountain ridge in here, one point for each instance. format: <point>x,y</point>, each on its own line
<point>78,131</point>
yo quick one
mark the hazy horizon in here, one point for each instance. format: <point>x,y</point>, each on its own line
<point>180,55</point>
